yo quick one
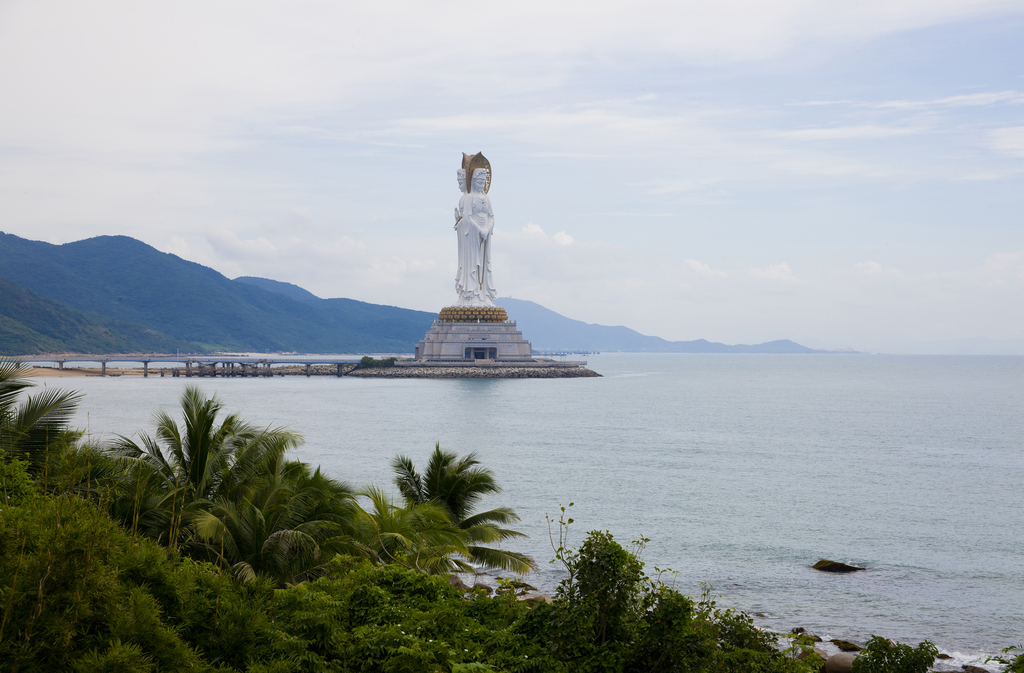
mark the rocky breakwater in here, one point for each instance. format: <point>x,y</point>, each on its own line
<point>495,371</point>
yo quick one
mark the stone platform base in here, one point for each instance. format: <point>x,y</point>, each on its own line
<point>495,371</point>
<point>467,341</point>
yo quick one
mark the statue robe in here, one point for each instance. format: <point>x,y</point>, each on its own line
<point>473,282</point>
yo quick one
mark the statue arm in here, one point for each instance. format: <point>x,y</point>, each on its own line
<point>459,211</point>
<point>490,216</point>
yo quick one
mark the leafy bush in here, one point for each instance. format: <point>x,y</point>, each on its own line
<point>884,656</point>
<point>1013,665</point>
<point>15,482</point>
<point>368,362</point>
<point>70,592</point>
<point>609,616</point>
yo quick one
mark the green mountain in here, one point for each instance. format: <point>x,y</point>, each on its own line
<point>548,330</point>
<point>287,289</point>
<point>30,323</point>
<point>127,280</point>
<point>117,294</point>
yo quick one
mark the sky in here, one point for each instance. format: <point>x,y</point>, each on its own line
<point>843,174</point>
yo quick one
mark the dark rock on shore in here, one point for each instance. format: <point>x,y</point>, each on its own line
<point>845,645</point>
<point>799,630</point>
<point>835,567</point>
<point>807,654</point>
<point>534,597</point>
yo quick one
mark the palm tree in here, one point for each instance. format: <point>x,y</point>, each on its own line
<point>36,429</point>
<point>182,470</point>
<point>419,536</point>
<point>458,485</point>
<point>287,527</point>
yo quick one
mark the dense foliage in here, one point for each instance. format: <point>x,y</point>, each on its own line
<point>82,593</point>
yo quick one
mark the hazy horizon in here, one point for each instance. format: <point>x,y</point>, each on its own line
<point>841,176</point>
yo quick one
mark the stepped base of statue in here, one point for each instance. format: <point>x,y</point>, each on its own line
<point>464,333</point>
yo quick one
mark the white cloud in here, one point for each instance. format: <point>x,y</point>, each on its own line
<point>974,99</point>
<point>875,270</point>
<point>682,186</point>
<point>533,231</point>
<point>1009,140</point>
<point>703,269</point>
<point>865,131</point>
<point>776,272</point>
<point>983,176</point>
<point>1001,261</point>
<point>562,238</point>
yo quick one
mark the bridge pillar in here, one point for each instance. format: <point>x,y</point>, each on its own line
<point>339,369</point>
<point>145,369</point>
<point>307,369</point>
<point>60,364</point>
<point>188,369</point>
<point>103,368</point>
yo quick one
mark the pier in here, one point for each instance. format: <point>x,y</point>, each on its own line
<point>203,366</point>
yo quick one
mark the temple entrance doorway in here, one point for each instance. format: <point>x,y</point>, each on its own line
<point>481,353</point>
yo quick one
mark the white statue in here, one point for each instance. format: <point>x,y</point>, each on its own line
<point>474,222</point>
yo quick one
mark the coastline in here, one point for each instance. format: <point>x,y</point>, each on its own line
<point>945,617</point>
<point>405,372</point>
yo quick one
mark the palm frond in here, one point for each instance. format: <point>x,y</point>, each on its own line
<point>501,559</point>
<point>409,482</point>
<point>498,515</point>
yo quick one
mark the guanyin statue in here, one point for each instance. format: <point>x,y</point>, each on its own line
<point>474,223</point>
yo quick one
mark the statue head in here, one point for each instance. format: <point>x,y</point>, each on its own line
<point>480,179</point>
<point>472,165</point>
<point>461,175</point>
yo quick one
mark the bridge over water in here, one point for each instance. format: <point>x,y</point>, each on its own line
<point>198,365</point>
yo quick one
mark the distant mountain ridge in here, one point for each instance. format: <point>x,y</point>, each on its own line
<point>117,294</point>
<point>287,289</point>
<point>124,279</point>
<point>549,331</point>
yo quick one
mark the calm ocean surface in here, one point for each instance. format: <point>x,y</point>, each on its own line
<point>743,470</point>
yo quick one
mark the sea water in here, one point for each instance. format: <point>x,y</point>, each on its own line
<point>743,470</point>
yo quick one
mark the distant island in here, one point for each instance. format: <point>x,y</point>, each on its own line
<point>115,294</point>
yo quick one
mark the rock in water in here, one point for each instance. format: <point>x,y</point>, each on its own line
<point>840,663</point>
<point>834,567</point>
<point>845,645</point>
<point>532,598</point>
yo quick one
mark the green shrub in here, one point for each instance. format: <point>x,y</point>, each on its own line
<point>369,362</point>
<point>15,483</point>
<point>65,599</point>
<point>1014,664</point>
<point>884,656</point>
<point>608,616</point>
